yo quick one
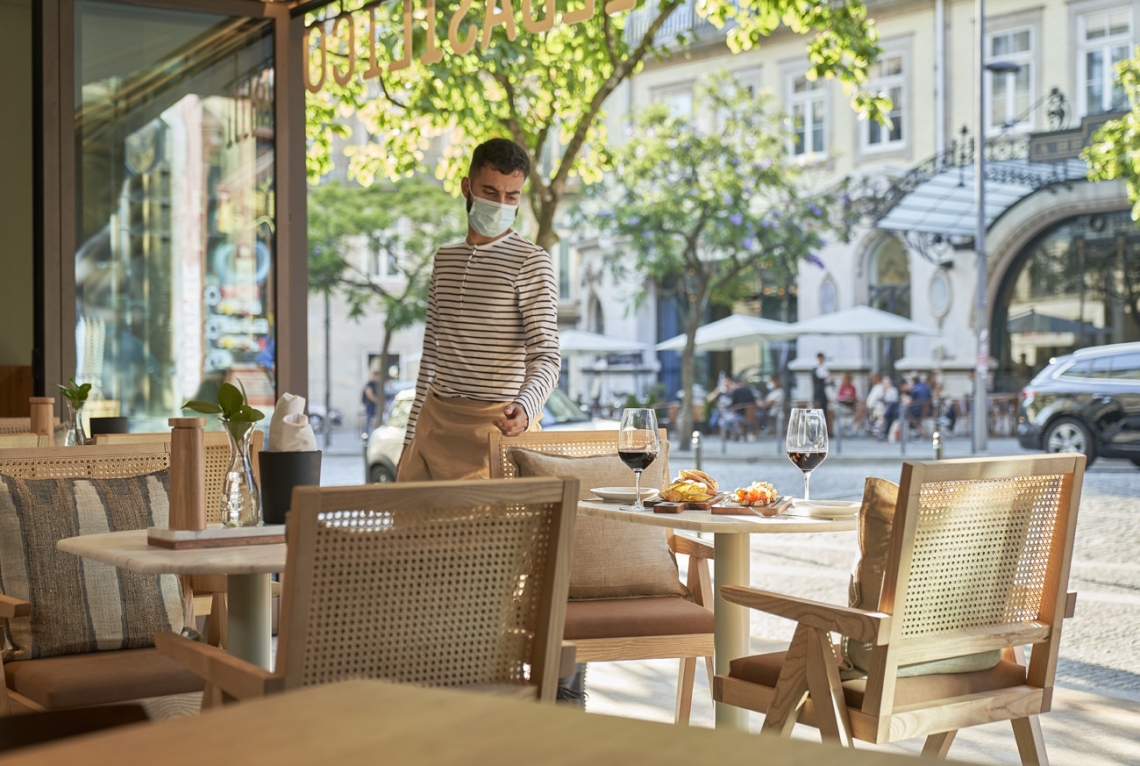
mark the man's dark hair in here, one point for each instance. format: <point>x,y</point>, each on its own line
<point>503,155</point>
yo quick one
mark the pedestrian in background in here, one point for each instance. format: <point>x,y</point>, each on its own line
<point>820,377</point>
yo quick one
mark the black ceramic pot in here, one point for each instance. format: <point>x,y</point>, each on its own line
<point>280,472</point>
<point>108,426</point>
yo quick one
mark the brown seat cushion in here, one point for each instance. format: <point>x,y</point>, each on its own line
<point>764,669</point>
<point>99,678</point>
<point>630,617</point>
<point>611,559</point>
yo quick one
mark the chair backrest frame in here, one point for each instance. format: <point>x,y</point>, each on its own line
<point>117,461</point>
<point>558,497</point>
<point>1061,476</point>
<point>561,444</point>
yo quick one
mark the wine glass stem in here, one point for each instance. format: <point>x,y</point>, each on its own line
<point>807,485</point>
<point>637,491</point>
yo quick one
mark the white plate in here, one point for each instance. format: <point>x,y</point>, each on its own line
<point>827,509</point>
<point>622,494</point>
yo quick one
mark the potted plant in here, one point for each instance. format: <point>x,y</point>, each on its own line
<point>241,500</point>
<point>75,396</point>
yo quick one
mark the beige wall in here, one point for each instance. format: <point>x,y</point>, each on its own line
<point>16,289</point>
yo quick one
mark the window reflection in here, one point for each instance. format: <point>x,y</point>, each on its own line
<point>175,207</point>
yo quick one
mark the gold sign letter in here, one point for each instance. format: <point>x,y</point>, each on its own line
<point>349,46</point>
<point>496,16</point>
<point>536,26</point>
<point>614,7</point>
<point>433,54</point>
<point>463,47</point>
<point>314,87</point>
<point>576,17</point>
<point>373,71</point>
<point>406,59</point>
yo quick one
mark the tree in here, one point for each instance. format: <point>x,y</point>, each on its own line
<point>546,90</point>
<point>402,224</point>
<point>708,214</point>
<point>1114,151</point>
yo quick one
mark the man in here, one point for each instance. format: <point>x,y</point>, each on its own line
<point>490,356</point>
<point>820,377</point>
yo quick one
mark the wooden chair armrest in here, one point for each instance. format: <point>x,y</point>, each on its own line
<point>11,608</point>
<point>1071,604</point>
<point>690,546</point>
<point>568,659</point>
<point>237,678</point>
<point>871,627</point>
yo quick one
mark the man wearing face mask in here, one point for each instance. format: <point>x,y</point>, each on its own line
<point>490,356</point>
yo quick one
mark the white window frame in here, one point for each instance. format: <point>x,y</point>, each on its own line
<point>663,94</point>
<point>1027,58</point>
<point>1082,47</point>
<point>820,92</point>
<point>883,84</point>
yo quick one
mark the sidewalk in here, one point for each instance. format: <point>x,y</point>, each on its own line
<point>851,449</point>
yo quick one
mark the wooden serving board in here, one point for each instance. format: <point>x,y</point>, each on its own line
<point>215,537</point>
<point>782,504</point>
<point>689,506</point>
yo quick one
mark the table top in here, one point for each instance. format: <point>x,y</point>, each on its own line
<point>357,722</point>
<point>129,550</point>
<point>706,521</point>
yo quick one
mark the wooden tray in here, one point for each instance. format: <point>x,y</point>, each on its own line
<point>782,504</point>
<point>678,507</point>
<point>215,537</point>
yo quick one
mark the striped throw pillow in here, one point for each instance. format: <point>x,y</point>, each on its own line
<point>80,605</point>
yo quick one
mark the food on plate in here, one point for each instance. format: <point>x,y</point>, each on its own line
<point>690,486</point>
<point>756,494</point>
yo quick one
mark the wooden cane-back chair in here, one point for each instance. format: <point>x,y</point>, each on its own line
<point>459,584</point>
<point>978,561</point>
<point>618,639</point>
<point>97,677</point>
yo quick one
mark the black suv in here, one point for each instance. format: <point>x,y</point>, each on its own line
<point>1086,402</point>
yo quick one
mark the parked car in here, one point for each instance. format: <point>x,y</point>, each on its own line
<point>386,442</point>
<point>1087,402</point>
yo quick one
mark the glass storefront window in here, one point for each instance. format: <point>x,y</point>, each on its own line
<point>175,210</point>
<point>1076,285</point>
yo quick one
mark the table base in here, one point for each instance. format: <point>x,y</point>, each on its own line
<point>249,618</point>
<point>731,566</point>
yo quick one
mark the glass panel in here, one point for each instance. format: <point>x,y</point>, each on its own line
<point>1078,370</point>
<point>896,113</point>
<point>1000,45</point>
<point>1119,22</point>
<point>1094,26</point>
<point>1022,93</point>
<point>798,127</point>
<point>817,126</point>
<point>1020,42</point>
<point>174,207</point>
<point>999,99</point>
<point>1126,366</point>
<point>1100,367</point>
<point>1094,81</point>
<point>874,133</point>
<point>894,65</point>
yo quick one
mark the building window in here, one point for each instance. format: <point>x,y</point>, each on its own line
<point>678,99</point>
<point>564,270</point>
<point>1104,39</point>
<point>1011,94</point>
<point>807,105</point>
<point>828,296</point>
<point>887,76</point>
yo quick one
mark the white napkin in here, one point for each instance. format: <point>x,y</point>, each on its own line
<point>289,430</point>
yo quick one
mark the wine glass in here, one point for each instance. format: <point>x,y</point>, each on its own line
<point>638,445</point>
<point>807,442</point>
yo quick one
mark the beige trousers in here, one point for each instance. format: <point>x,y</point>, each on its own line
<point>451,439</point>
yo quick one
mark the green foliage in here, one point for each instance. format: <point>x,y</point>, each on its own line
<point>74,392</point>
<point>1114,151</point>
<point>232,405</point>
<point>710,213</point>
<point>546,91</point>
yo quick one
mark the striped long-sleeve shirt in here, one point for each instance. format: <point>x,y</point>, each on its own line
<point>492,326</point>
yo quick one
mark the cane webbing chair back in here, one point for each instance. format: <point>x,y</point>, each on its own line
<point>217,461</point>
<point>560,444</point>
<point>116,462</point>
<point>434,584</point>
<point>15,425</point>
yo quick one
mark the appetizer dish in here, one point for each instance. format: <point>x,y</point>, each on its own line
<point>690,486</point>
<point>756,494</point>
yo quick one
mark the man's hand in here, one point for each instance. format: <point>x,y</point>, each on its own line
<point>515,420</point>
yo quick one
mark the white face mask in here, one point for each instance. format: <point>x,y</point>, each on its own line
<point>490,218</point>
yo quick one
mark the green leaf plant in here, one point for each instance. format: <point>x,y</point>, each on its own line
<point>76,393</point>
<point>232,405</point>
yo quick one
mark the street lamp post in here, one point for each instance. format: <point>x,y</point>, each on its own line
<point>978,429</point>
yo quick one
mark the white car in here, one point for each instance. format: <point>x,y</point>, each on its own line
<point>387,441</point>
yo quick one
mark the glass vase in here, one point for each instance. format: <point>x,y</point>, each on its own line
<point>76,435</point>
<point>241,501</point>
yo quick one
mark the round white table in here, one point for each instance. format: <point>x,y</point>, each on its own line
<point>247,569</point>
<point>731,566</point>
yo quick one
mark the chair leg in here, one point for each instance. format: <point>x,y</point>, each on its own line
<point>826,689</point>
<point>791,688</point>
<point>685,677</point>
<point>1030,742</point>
<point>938,745</point>
<point>711,672</point>
<point>216,626</point>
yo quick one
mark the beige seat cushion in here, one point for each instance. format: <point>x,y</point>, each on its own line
<point>876,520</point>
<point>611,559</point>
<point>630,617</point>
<point>80,605</point>
<point>99,678</point>
<point>764,669</point>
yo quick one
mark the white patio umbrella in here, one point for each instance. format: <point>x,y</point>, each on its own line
<point>861,320</point>
<point>580,342</point>
<point>731,332</point>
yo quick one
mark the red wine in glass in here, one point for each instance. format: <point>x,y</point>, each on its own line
<point>805,461</point>
<point>807,442</point>
<point>638,444</point>
<point>638,460</point>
